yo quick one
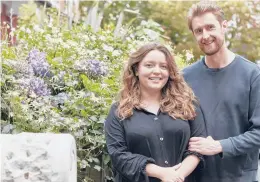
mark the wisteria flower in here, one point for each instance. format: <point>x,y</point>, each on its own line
<point>93,68</point>
<point>38,62</point>
<point>38,87</point>
<point>96,68</point>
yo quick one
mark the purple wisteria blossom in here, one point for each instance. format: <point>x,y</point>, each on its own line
<point>93,68</point>
<point>38,87</point>
<point>96,68</point>
<point>37,60</point>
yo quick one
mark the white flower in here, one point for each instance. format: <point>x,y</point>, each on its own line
<point>72,43</point>
<point>94,98</point>
<point>128,38</point>
<point>102,37</point>
<point>103,85</point>
<point>93,38</point>
<point>82,44</point>
<point>79,133</point>
<point>36,28</point>
<point>48,37</point>
<point>59,40</point>
<point>22,28</point>
<point>91,53</point>
<point>28,31</point>
<point>189,56</point>
<point>85,38</point>
<point>152,34</point>
<point>107,48</point>
<point>85,9</point>
<point>66,46</point>
<point>116,53</point>
<point>55,30</point>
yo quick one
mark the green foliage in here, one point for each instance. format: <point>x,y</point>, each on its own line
<point>242,36</point>
<point>71,98</point>
<point>64,80</point>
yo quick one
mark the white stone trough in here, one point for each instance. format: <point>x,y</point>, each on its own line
<point>38,157</point>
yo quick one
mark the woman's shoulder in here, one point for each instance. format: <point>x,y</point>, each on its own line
<point>113,111</point>
<point>114,105</point>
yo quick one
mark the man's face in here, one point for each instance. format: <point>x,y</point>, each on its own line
<point>209,33</point>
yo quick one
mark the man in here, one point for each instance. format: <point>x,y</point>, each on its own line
<point>228,89</point>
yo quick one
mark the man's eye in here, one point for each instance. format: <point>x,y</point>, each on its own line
<point>211,27</point>
<point>198,31</point>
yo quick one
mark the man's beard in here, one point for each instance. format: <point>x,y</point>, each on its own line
<point>218,46</point>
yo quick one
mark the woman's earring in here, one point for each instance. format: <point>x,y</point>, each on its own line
<point>136,74</point>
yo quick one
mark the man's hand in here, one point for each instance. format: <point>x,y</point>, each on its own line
<point>205,146</point>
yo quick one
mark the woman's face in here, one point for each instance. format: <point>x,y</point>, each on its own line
<point>153,71</point>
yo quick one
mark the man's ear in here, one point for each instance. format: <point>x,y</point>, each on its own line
<point>225,25</point>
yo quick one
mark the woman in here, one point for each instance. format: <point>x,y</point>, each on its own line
<point>148,129</point>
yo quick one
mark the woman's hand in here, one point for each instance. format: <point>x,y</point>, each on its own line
<point>165,174</point>
<point>169,174</point>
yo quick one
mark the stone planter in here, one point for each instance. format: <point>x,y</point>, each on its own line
<point>38,157</point>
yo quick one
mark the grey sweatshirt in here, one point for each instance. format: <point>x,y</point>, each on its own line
<point>230,102</point>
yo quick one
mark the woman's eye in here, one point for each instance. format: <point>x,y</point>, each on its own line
<point>149,65</point>
<point>164,67</point>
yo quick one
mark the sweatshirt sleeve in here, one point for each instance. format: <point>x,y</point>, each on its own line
<point>249,140</point>
<point>129,165</point>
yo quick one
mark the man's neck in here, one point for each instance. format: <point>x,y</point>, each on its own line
<point>221,59</point>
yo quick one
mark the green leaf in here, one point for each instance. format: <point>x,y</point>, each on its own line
<point>106,159</point>
<point>97,168</point>
<point>96,160</point>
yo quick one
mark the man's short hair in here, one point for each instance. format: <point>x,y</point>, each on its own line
<point>201,8</point>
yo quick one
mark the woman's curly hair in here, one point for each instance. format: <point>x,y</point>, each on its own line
<point>177,97</point>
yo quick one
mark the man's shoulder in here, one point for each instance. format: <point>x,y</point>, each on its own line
<point>248,66</point>
<point>246,63</point>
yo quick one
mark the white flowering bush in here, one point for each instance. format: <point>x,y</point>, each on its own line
<point>64,81</point>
